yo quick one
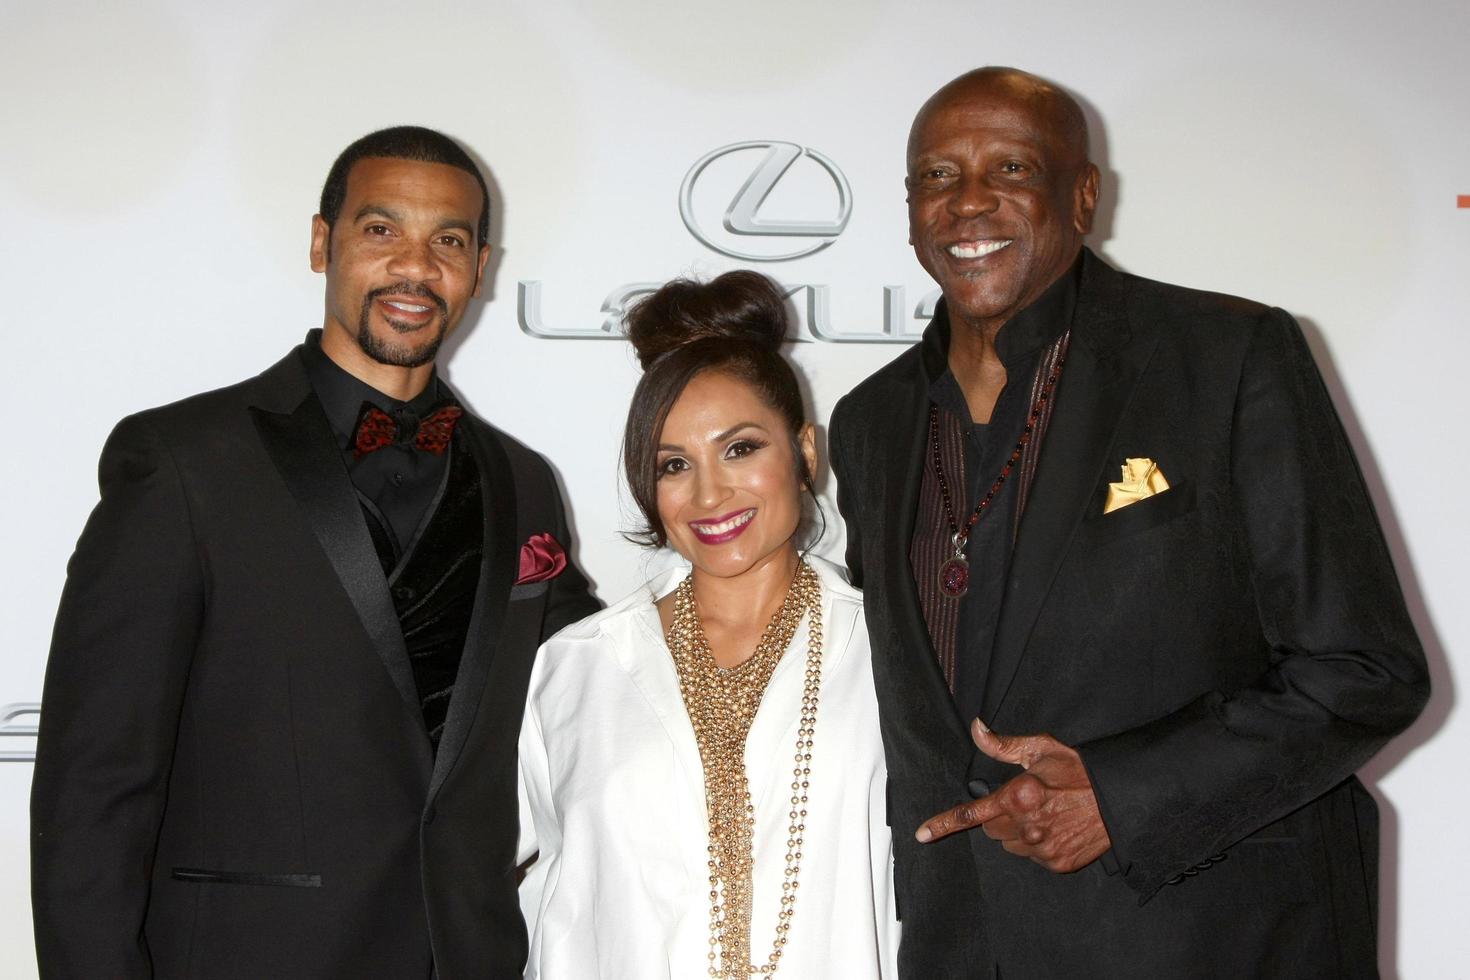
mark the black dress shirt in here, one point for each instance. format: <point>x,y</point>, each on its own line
<point>983,449</point>
<point>398,483</point>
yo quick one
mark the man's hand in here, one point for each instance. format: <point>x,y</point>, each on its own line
<point>1048,813</point>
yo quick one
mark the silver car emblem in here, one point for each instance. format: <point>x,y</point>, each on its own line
<point>742,217</point>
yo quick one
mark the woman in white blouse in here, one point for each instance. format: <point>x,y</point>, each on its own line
<point>701,769</point>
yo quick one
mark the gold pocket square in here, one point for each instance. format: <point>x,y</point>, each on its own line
<point>1141,478</point>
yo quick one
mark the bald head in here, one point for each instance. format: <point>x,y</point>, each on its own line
<point>1047,103</point>
<point>1000,192</point>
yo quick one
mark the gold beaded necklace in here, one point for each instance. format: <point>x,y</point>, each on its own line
<point>722,704</point>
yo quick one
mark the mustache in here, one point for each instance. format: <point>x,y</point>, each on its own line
<point>415,289</point>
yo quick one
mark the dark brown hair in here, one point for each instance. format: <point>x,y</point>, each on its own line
<point>735,324</point>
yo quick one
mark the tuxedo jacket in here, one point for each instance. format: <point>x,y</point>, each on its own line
<point>233,777</point>
<point>1223,654</point>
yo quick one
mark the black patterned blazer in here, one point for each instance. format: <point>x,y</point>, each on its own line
<point>1224,655</point>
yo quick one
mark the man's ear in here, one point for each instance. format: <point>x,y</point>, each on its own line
<point>480,270</point>
<point>1085,199</point>
<point>321,243</point>
<point>908,198</point>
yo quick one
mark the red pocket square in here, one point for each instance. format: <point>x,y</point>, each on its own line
<point>541,558</point>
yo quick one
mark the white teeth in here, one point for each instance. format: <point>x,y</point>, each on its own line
<point>408,307</point>
<point>973,250</point>
<point>725,527</point>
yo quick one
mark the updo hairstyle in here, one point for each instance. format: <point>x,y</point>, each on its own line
<point>734,324</point>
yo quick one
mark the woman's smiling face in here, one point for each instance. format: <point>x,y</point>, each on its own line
<point>729,482</point>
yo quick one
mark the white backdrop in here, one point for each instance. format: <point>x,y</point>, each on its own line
<point>161,159</point>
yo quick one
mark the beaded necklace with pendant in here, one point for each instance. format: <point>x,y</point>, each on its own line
<point>954,574</point>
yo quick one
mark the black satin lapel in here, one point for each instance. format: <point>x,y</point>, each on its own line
<point>905,464</point>
<point>304,450</point>
<point>499,564</point>
<point>1097,383</point>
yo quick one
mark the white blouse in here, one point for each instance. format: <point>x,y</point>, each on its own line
<point>612,796</point>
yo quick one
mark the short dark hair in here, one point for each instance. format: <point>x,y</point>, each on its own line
<point>402,143</point>
<point>734,324</point>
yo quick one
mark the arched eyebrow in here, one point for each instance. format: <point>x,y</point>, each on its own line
<point>736,428</point>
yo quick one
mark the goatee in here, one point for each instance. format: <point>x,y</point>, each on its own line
<point>396,354</point>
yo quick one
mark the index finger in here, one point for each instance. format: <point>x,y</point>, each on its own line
<point>966,816</point>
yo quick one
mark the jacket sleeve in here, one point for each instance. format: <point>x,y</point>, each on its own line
<point>120,655</point>
<point>1346,670</point>
<point>843,469</point>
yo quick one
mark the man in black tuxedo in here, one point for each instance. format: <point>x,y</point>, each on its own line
<point>1123,514</point>
<point>280,715</point>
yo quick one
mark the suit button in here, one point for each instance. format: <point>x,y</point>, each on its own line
<point>978,788</point>
<point>430,814</point>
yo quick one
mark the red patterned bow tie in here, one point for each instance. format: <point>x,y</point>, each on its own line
<point>376,429</point>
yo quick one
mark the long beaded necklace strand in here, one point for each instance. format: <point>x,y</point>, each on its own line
<point>722,704</point>
<point>954,574</point>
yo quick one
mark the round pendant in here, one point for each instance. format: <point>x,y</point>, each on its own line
<point>954,577</point>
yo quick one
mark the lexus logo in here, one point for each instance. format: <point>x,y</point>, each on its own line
<point>742,219</point>
<point>22,721</point>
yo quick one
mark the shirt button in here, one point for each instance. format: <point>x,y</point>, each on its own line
<point>402,592</point>
<point>398,479</point>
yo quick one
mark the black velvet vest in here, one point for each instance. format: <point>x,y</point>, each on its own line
<point>433,583</point>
